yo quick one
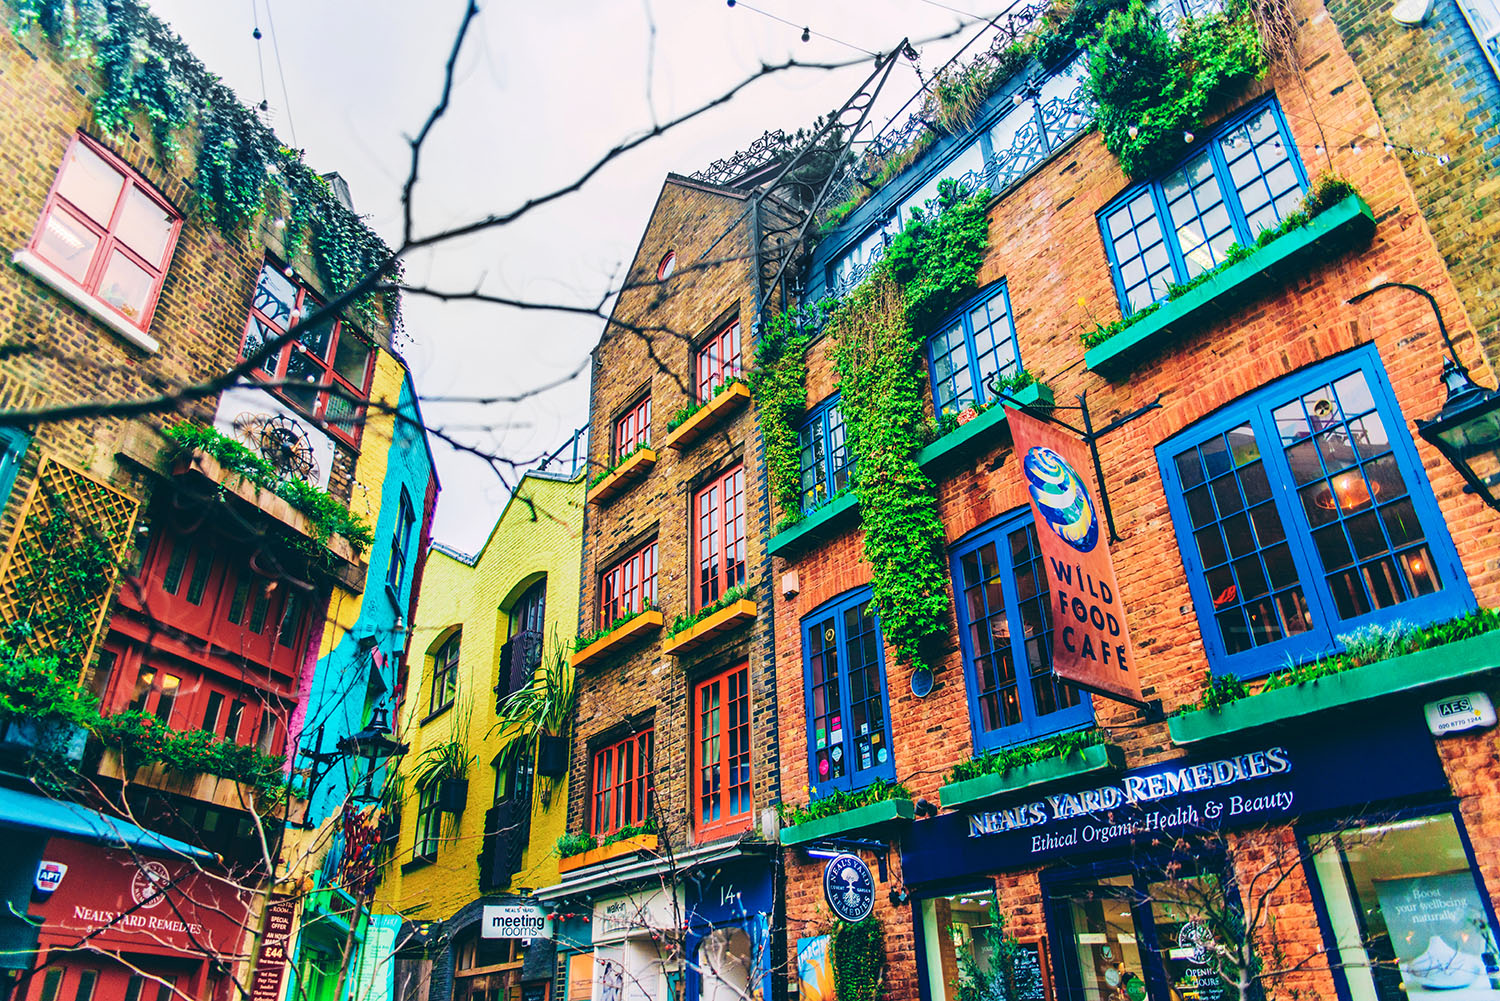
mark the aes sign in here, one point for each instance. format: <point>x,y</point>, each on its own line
<point>515,921</point>
<point>849,887</point>
<point>1458,713</point>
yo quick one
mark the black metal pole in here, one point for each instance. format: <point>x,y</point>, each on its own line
<point>1088,436</point>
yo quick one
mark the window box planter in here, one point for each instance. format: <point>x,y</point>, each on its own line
<point>201,786</point>
<point>27,736</point>
<point>453,795</point>
<point>980,433</point>
<point>595,856</point>
<point>1096,760</point>
<point>1404,675</point>
<point>711,626</point>
<point>885,814</point>
<point>632,469</point>
<point>715,410</point>
<point>814,526</point>
<point>1331,231</point>
<point>647,622</point>
<point>551,755</point>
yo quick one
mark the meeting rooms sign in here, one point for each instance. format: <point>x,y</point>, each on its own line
<point>1181,799</point>
<point>524,921</point>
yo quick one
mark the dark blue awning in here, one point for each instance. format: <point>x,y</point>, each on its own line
<point>56,816</point>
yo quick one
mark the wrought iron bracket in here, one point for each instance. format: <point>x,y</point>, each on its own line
<point>1088,433</point>
<point>880,849</point>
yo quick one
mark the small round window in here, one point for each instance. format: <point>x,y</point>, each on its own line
<point>667,266</point>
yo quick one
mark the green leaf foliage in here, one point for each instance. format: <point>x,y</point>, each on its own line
<point>588,639</point>
<point>1148,89</point>
<point>576,844</point>
<point>687,621</point>
<point>779,384</point>
<point>141,739</point>
<point>1062,745</point>
<point>1004,977</point>
<point>936,257</point>
<point>858,959</point>
<point>841,802</point>
<point>328,516</point>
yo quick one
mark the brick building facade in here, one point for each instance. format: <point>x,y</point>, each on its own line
<point>674,749</point>
<point>1321,853</point>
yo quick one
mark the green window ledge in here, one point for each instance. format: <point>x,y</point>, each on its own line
<point>1331,231</point>
<point>886,813</point>
<point>1095,760</point>
<point>960,443</point>
<point>1407,674</point>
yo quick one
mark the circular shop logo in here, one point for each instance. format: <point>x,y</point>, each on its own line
<point>849,887</point>
<point>1061,498</point>
<point>1195,936</point>
<point>148,885</point>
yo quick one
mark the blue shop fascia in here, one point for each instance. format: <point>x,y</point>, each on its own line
<point>1135,868</point>
<point>695,926</point>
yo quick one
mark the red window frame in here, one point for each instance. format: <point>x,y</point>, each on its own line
<point>628,586</point>
<point>719,537</point>
<point>633,428</point>
<point>314,357</point>
<point>621,788</point>
<point>108,243</point>
<point>718,361</point>
<point>721,759</point>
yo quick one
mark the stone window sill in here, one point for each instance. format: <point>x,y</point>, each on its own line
<point>65,286</point>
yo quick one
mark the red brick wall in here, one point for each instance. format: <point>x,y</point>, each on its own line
<point>1045,243</point>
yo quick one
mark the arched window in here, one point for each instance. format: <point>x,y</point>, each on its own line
<point>523,650</point>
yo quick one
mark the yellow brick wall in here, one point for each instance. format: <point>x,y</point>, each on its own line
<point>538,532</point>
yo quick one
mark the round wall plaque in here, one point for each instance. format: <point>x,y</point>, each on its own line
<point>849,887</point>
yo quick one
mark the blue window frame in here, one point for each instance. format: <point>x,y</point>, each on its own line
<point>1303,514</point>
<point>395,573</point>
<point>1005,633</point>
<point>1245,178</point>
<point>13,445</point>
<point>848,722</point>
<point>825,460</point>
<point>970,348</point>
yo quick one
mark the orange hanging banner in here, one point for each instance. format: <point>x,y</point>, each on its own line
<point>1090,641</point>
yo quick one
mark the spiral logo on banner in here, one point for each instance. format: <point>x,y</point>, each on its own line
<point>1061,498</point>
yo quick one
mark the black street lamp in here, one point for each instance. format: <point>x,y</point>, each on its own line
<point>1467,429</point>
<point>374,743</point>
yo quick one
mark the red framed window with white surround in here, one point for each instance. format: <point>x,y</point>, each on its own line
<point>718,361</point>
<point>633,428</point>
<point>719,536</point>
<point>107,231</point>
<point>721,764</point>
<point>628,586</point>
<point>325,373</point>
<point>621,787</point>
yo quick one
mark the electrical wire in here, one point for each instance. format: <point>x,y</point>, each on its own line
<point>807,32</point>
<point>953,10</point>
<point>286,96</point>
<point>260,60</point>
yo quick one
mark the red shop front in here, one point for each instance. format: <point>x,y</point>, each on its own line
<point>123,925</point>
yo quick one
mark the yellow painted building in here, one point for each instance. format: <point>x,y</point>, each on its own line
<point>485,625</point>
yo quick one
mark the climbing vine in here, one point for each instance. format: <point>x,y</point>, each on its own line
<point>1149,90</point>
<point>240,166</point>
<point>858,958</point>
<point>69,568</point>
<point>779,385</point>
<point>880,368</point>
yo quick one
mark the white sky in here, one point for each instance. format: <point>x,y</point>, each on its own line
<point>543,89</point>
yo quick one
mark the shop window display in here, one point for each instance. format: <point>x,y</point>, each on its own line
<point>1403,912</point>
<point>969,957</point>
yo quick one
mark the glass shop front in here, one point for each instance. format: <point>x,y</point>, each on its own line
<point>1136,877</point>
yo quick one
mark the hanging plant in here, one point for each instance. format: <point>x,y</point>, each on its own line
<point>779,385</point>
<point>1149,90</point>
<point>880,368</point>
<point>936,257</point>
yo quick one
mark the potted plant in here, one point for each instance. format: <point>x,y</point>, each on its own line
<point>540,710</point>
<point>448,765</point>
<point>43,713</point>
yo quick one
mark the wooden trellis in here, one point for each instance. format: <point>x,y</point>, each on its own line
<point>31,588</point>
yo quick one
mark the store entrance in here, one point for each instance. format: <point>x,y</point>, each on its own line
<point>1139,936</point>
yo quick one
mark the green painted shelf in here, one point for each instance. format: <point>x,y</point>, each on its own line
<point>1451,662</point>
<point>1331,231</point>
<point>813,527</point>
<point>979,433</point>
<point>1098,759</point>
<point>886,813</point>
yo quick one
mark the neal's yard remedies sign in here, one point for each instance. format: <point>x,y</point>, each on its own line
<point>1091,648</point>
<point>1180,800</point>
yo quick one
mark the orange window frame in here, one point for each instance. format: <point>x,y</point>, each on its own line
<point>718,360</point>
<point>620,787</point>
<point>722,793</point>
<point>719,537</point>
